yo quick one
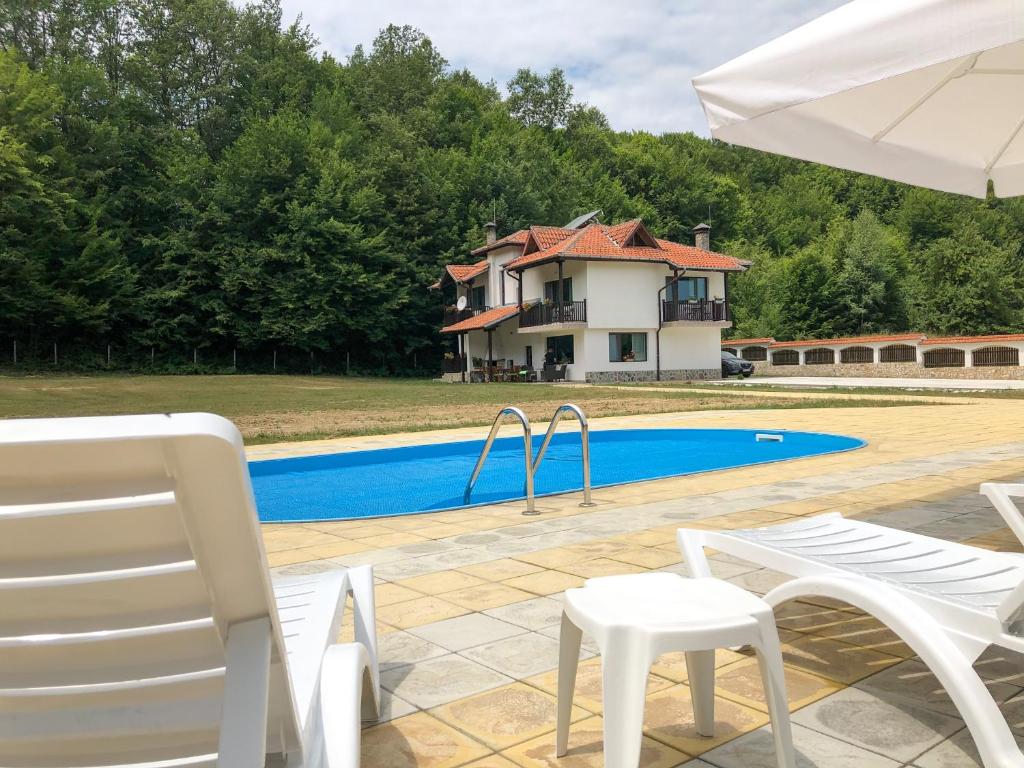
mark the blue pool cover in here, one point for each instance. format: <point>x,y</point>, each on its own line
<point>427,478</point>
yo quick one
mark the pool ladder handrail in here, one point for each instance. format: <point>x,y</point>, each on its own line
<point>532,465</point>
<point>508,410</point>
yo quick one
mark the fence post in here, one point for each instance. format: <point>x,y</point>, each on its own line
<point>275,360</point>
<point>15,351</point>
<point>234,359</point>
<point>55,354</point>
<point>108,355</point>
<point>348,364</point>
<point>195,356</point>
<point>152,356</point>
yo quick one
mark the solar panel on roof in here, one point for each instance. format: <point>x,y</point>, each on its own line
<point>581,221</point>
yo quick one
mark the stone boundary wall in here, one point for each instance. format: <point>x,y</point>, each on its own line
<point>685,374</point>
<point>889,370</point>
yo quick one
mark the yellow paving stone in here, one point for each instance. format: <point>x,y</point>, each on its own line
<point>422,610</point>
<point>651,538</point>
<point>599,548</point>
<point>866,631</point>
<point>601,566</point>
<point>741,682</point>
<point>437,583</point>
<point>589,684</point>
<point>366,531</point>
<point>833,660</point>
<point>278,542</point>
<point>487,595</point>
<point>668,718</point>
<point>504,716</point>
<point>672,666</point>
<point>396,539</point>
<point>498,570</point>
<point>649,557</point>
<point>348,634</point>
<point>386,594</point>
<point>418,741</point>
<point>586,750</point>
<point>491,761</point>
<point>552,558</point>
<point>545,582</point>
<point>440,531</point>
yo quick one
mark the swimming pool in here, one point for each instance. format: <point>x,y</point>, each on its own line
<point>428,478</point>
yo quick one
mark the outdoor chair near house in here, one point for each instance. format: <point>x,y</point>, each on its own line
<point>947,601</point>
<point>139,621</point>
<point>554,372</point>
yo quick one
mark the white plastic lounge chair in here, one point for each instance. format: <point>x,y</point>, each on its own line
<point>138,625</point>
<point>947,601</point>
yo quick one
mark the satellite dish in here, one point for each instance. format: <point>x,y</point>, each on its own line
<point>461,303</point>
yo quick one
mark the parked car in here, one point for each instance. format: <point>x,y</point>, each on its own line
<point>734,366</point>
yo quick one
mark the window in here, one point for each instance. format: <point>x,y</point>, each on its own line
<point>857,355</point>
<point>476,297</point>
<point>819,356</point>
<point>786,357</point>
<point>551,290</point>
<point>687,288</point>
<point>627,347</point>
<point>755,353</point>
<point>898,353</point>
<point>561,346</point>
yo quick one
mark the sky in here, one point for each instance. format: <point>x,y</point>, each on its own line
<point>633,59</point>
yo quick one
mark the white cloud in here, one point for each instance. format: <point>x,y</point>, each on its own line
<point>633,59</point>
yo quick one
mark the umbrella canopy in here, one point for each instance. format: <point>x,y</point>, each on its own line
<point>927,92</point>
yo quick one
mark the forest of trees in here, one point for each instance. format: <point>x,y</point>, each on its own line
<point>190,177</point>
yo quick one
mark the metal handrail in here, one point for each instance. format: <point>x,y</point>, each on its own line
<point>584,440</point>
<point>527,453</point>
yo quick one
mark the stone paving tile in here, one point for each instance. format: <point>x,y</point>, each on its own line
<point>437,583</point>
<point>499,570</point>
<point>533,614</point>
<point>422,610</point>
<point>418,741</point>
<point>668,718</point>
<point>400,647</point>
<point>741,682</point>
<point>545,582</point>
<point>520,656</point>
<point>465,631</point>
<point>957,751</point>
<point>833,660</point>
<point>505,716</point>
<point>672,666</point>
<point>813,750</point>
<point>586,750</point>
<point>897,730</point>
<point>589,685</point>
<point>440,680</point>
<point>912,681</point>
<point>485,596</point>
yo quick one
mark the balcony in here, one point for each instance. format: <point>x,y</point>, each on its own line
<point>695,311</point>
<point>454,315</point>
<point>544,313</point>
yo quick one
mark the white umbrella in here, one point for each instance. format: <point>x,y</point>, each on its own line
<point>928,92</point>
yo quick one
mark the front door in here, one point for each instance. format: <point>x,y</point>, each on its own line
<point>529,358</point>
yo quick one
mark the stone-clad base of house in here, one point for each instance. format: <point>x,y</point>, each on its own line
<point>890,370</point>
<point>684,374</point>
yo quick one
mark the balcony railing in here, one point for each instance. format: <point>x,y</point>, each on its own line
<point>454,315</point>
<point>695,311</point>
<point>550,314</point>
<point>454,364</point>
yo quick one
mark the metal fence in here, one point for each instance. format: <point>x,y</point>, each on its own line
<point>819,357</point>
<point>991,356</point>
<point>755,354</point>
<point>785,357</point>
<point>944,358</point>
<point>857,355</point>
<point>898,353</point>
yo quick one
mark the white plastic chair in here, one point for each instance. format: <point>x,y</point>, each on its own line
<point>636,618</point>
<point>138,625</point>
<point>947,601</point>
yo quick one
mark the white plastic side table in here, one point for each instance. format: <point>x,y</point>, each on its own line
<point>634,619</point>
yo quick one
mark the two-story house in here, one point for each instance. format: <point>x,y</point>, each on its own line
<point>606,303</point>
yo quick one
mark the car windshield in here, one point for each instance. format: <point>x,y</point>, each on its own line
<point>729,356</point>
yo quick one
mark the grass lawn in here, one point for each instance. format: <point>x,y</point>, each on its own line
<point>277,408</point>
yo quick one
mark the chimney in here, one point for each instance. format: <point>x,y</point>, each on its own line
<point>492,231</point>
<point>702,236</point>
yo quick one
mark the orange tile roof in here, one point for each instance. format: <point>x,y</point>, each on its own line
<point>850,340</point>
<point>516,238</point>
<point>484,320</point>
<point>741,342</point>
<point>972,339</point>
<point>462,273</point>
<point>598,241</point>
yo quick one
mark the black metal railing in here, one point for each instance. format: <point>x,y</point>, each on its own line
<point>454,315</point>
<point>694,311</point>
<point>545,313</point>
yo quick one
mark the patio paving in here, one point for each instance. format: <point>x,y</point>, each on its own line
<point>469,600</point>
